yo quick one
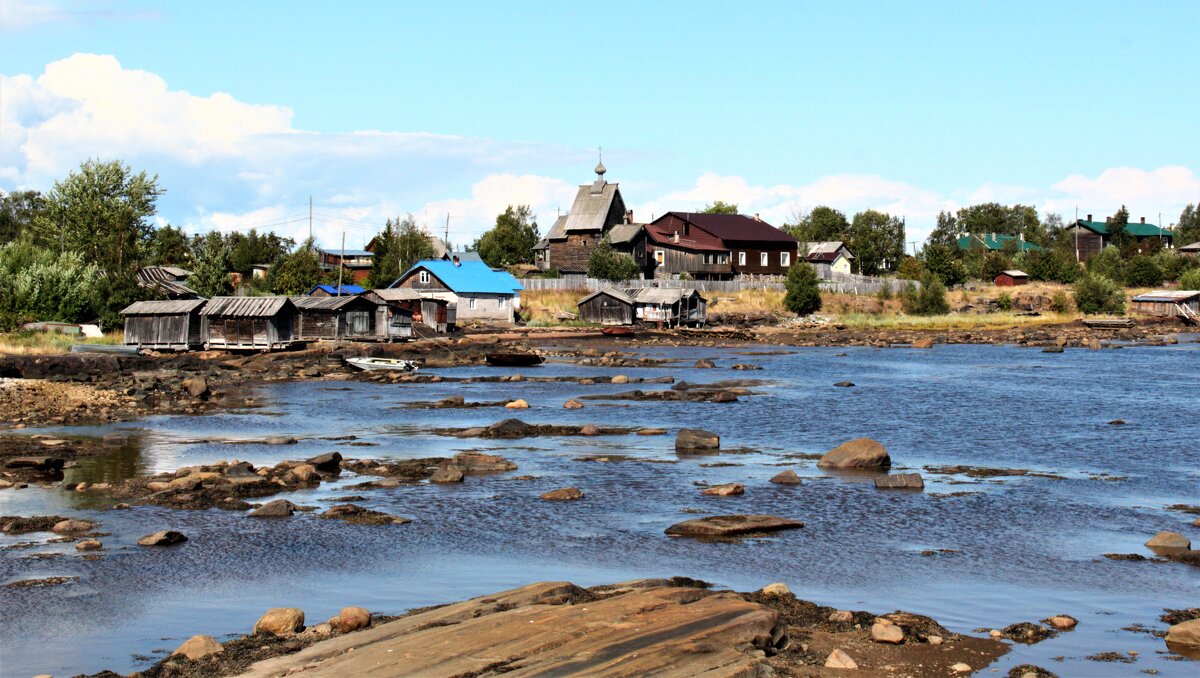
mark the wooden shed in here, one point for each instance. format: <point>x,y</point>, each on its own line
<point>352,317</point>
<point>669,306</point>
<point>609,306</point>
<point>248,323</point>
<point>438,314</point>
<point>170,325</point>
<point>1011,278</point>
<point>1170,303</point>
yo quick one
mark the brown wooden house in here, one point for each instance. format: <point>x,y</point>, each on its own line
<point>609,306</point>
<point>248,323</point>
<point>667,306</point>
<point>716,246</point>
<point>331,318</point>
<point>404,305</point>
<point>1089,237</point>
<point>164,325</point>
<point>568,244</point>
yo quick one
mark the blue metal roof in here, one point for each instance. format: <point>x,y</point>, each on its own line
<point>333,290</point>
<point>467,276</point>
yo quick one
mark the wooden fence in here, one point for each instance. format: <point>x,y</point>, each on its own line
<point>835,282</point>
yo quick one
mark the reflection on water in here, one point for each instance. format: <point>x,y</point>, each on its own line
<point>983,552</point>
<point>121,464</point>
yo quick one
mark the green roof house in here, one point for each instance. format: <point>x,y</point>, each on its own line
<point>1092,236</point>
<point>996,242</point>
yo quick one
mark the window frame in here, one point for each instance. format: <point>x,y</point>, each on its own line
<point>764,259</point>
<point>424,277</point>
<point>785,259</point>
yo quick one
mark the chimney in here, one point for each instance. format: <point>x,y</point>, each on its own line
<point>675,237</point>
<point>455,260</point>
<point>629,217</point>
<point>1089,217</point>
<point>756,217</point>
<point>1143,220</point>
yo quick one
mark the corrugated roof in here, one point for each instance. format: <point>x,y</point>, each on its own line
<point>397,294</point>
<point>348,253</point>
<point>1136,229</point>
<point>1194,247</point>
<point>827,251</point>
<point>1168,296</point>
<point>166,279</point>
<point>1014,273</point>
<point>662,233</point>
<point>996,241</point>
<point>624,233</point>
<point>333,289</point>
<point>245,307</point>
<point>466,278</point>
<point>323,303</point>
<point>462,256</point>
<point>610,291</point>
<point>592,205</point>
<point>659,295</point>
<point>735,227</point>
<point>171,307</point>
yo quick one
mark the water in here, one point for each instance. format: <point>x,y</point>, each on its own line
<point>1023,548</point>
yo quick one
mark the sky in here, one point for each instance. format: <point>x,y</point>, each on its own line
<point>378,109</point>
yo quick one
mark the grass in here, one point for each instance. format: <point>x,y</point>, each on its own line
<point>948,322</point>
<point>543,307</point>
<point>46,343</point>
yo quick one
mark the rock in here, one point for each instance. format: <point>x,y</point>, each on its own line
<point>517,405</point>
<point>1117,422</point>
<point>196,387</point>
<point>278,508</point>
<point>71,526</point>
<point>745,366</point>
<point>934,640</point>
<point>900,481</point>
<point>241,469</point>
<point>695,439</point>
<point>351,619</point>
<point>844,384</point>
<point>1025,632</point>
<point>728,526</point>
<point>563,494</point>
<point>723,397</point>
<point>926,342</point>
<point>651,431</point>
<point>1185,635</point>
<point>447,474</point>
<point>89,545</point>
<point>887,633</point>
<point>841,616</point>
<point>1164,540</point>
<point>305,473</point>
<point>840,660</point>
<point>727,490</point>
<point>476,462</point>
<point>705,364</point>
<point>572,405</point>
<point>776,589</point>
<point>620,379</point>
<point>162,538</point>
<point>1062,622</point>
<point>961,668</point>
<point>996,633</point>
<point>38,463</point>
<point>198,647</point>
<point>861,453</point>
<point>280,621</point>
<point>330,462</point>
<point>279,440</point>
<point>787,477</point>
<point>1056,348</point>
<point>589,430</point>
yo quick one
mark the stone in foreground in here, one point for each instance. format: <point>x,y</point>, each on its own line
<point>787,477</point>
<point>277,508</point>
<point>840,660</point>
<point>163,538</point>
<point>648,631</point>
<point>731,526</point>
<point>198,647</point>
<point>900,481</point>
<point>861,453</point>
<point>281,621</point>
<point>1185,636</point>
<point>887,633</point>
<point>563,494</point>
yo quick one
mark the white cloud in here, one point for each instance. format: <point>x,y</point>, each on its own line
<point>22,15</point>
<point>1144,193</point>
<point>471,216</point>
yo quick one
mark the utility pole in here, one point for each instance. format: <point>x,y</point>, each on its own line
<point>341,264</point>
<point>310,217</point>
<point>446,240</point>
<point>1076,234</point>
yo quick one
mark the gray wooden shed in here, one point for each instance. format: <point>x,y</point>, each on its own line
<point>347,317</point>
<point>609,306</point>
<point>248,323</point>
<point>164,325</point>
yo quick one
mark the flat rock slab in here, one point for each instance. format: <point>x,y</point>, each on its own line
<point>731,526</point>
<point>900,481</point>
<point>660,631</point>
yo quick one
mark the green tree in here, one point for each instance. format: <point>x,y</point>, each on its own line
<point>803,295</point>
<point>1187,229</point>
<point>247,250</point>
<point>946,231</point>
<point>400,245</point>
<point>1097,294</point>
<point>606,263</point>
<point>298,272</point>
<point>19,211</point>
<point>994,263</point>
<point>911,268</point>
<point>877,241</point>
<point>43,284</point>
<point>1190,280</point>
<point>210,268</point>
<point>168,246</point>
<point>512,239</point>
<point>1108,263</point>
<point>1116,225</point>
<point>822,224</point>
<point>939,260</point>
<point>930,299</point>
<point>720,207</point>
<point>1143,271</point>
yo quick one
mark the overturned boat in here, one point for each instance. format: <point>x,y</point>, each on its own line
<point>513,359</point>
<point>391,364</point>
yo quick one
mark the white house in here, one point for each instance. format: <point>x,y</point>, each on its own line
<point>829,257</point>
<point>477,291</point>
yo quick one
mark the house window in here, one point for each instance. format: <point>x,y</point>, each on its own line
<point>785,259</point>
<point>471,303</point>
<point>741,258</point>
<point>424,277</point>
<point>503,302</point>
<point>659,256</point>
<point>762,259</point>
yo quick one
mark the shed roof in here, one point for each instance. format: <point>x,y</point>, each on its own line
<point>624,233</point>
<point>347,253</point>
<point>171,307</point>
<point>608,291</point>
<point>1168,296</point>
<point>593,202</point>
<point>735,227</point>
<point>1194,247</point>
<point>559,230</point>
<point>827,251</point>
<point>245,307</point>
<point>333,289</point>
<point>397,294</point>
<point>660,295</point>
<point>462,255</point>
<point>1014,273</point>
<point>325,303</point>
<point>467,277</point>
<point>1136,229</point>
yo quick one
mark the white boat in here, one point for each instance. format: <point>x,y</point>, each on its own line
<point>393,364</point>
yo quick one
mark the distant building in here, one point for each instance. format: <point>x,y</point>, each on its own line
<point>1193,249</point>
<point>356,263</point>
<point>478,291</point>
<point>598,207</point>
<point>1170,303</point>
<point>829,257</point>
<point>644,305</point>
<point>345,317</point>
<point>1092,236</point>
<point>996,242</point>
<point>716,246</point>
<point>1011,278</point>
<point>333,291</point>
<point>260,271</point>
<point>167,281</point>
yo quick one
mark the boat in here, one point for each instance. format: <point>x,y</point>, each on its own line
<point>392,364</point>
<point>111,349</point>
<point>513,359</point>
<point>618,331</point>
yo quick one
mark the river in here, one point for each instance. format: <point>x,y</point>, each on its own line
<point>1015,548</point>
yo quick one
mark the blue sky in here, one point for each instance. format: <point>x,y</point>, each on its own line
<point>376,109</point>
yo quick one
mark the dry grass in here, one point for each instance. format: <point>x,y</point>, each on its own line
<point>952,321</point>
<point>543,307</point>
<point>49,343</point>
<point>748,302</point>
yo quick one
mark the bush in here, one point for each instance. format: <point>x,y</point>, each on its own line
<point>1059,303</point>
<point>803,290</point>
<point>606,263</point>
<point>911,268</point>
<point>41,284</point>
<point>929,300</point>
<point>885,292</point>
<point>1107,264</point>
<point>1190,280</point>
<point>1143,271</point>
<point>1097,294</point>
<point>1005,302</point>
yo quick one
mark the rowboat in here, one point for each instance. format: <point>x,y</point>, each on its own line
<point>618,331</point>
<point>392,364</point>
<point>513,359</point>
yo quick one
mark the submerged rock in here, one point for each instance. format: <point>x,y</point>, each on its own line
<point>1169,540</point>
<point>695,439</point>
<point>733,525</point>
<point>727,490</point>
<point>163,538</point>
<point>787,477</point>
<point>72,526</point>
<point>1028,633</point>
<point>563,494</point>
<point>447,474</point>
<point>357,515</point>
<point>89,545</point>
<point>900,481</point>
<point>861,453</point>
